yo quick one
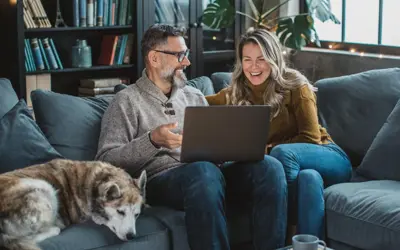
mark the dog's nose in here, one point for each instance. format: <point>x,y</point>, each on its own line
<point>130,236</point>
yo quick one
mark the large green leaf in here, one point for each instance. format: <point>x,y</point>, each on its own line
<point>294,33</point>
<point>321,9</point>
<point>219,14</point>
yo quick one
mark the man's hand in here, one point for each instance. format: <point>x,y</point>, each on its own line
<point>163,137</point>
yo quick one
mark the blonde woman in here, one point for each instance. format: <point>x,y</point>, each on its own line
<point>310,158</point>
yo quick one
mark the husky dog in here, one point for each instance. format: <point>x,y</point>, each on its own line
<point>38,201</point>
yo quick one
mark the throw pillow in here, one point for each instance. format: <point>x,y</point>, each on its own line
<point>71,124</point>
<point>8,98</point>
<point>203,83</point>
<point>21,142</point>
<point>382,160</point>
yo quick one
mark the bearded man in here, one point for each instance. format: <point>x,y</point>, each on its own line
<point>142,130</point>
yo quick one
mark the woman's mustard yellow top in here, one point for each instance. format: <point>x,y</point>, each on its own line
<point>297,120</point>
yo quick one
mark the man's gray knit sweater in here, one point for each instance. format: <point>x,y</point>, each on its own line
<point>132,114</point>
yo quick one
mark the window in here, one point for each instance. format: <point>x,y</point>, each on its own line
<point>373,22</point>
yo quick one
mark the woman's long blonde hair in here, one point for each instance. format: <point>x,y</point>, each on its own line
<point>281,80</point>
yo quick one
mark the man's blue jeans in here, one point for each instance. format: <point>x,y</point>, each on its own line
<point>200,190</point>
<point>310,168</point>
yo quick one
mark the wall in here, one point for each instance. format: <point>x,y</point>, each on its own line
<point>323,63</point>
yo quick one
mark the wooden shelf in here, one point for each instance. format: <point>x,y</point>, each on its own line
<point>79,29</point>
<point>70,70</point>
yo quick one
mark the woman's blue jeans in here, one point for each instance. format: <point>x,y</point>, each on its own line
<point>202,189</point>
<point>310,168</point>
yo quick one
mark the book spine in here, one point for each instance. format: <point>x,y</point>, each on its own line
<point>37,54</point>
<point>46,62</point>
<point>100,13</point>
<point>30,56</point>
<point>82,13</point>
<point>105,19</point>
<point>75,7</point>
<point>49,53</point>
<point>89,14</point>
<point>53,48</point>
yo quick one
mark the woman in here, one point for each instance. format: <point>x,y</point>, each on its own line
<point>310,158</point>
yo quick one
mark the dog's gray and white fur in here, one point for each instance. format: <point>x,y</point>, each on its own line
<point>39,201</point>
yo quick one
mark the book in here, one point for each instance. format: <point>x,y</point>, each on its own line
<point>96,91</point>
<point>100,82</point>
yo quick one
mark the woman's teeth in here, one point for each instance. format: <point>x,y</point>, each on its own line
<point>256,74</point>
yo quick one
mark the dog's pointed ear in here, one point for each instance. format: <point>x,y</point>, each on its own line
<point>141,182</point>
<point>112,192</point>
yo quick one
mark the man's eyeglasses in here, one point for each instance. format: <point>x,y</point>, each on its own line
<point>180,55</point>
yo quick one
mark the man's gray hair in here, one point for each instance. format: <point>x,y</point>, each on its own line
<point>157,35</point>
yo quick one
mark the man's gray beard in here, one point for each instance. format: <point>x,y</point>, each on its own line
<point>178,81</point>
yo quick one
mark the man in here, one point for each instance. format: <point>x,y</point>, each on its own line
<point>142,128</point>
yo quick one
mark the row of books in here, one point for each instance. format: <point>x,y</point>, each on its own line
<point>41,54</point>
<point>34,15</point>
<point>89,13</point>
<point>116,49</point>
<point>99,86</point>
<point>169,11</point>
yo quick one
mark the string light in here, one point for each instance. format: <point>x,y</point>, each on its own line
<point>380,56</point>
<point>13,2</point>
<point>352,50</point>
<point>330,46</point>
<point>362,54</point>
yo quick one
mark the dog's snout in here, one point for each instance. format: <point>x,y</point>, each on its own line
<point>130,236</point>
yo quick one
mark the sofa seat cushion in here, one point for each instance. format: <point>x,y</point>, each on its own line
<point>154,228</point>
<point>365,215</point>
<point>71,124</point>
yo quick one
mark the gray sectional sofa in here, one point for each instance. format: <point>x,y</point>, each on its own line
<point>361,214</point>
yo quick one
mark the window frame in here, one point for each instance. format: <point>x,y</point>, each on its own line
<point>378,48</point>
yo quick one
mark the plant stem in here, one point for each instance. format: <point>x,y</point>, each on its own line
<point>246,15</point>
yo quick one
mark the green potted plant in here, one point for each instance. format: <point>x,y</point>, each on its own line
<point>293,31</point>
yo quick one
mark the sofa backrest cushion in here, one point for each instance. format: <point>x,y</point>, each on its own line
<point>22,143</point>
<point>353,108</point>
<point>221,80</point>
<point>71,124</point>
<point>8,98</point>
<point>382,161</point>
<point>203,83</point>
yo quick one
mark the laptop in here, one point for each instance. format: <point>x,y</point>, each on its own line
<point>225,133</point>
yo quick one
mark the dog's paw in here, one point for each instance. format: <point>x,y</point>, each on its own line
<point>54,231</point>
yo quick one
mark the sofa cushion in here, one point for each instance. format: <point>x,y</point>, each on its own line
<point>71,124</point>
<point>353,108</point>
<point>221,80</point>
<point>365,215</point>
<point>22,143</point>
<point>8,98</point>
<point>152,233</point>
<point>203,83</point>
<point>382,161</point>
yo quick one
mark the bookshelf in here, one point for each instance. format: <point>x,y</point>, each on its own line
<point>65,77</point>
<point>211,50</point>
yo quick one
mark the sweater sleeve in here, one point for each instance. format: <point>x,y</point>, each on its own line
<point>118,142</point>
<point>305,111</point>
<point>218,98</point>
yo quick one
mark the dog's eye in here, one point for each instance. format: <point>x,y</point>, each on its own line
<point>121,212</point>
